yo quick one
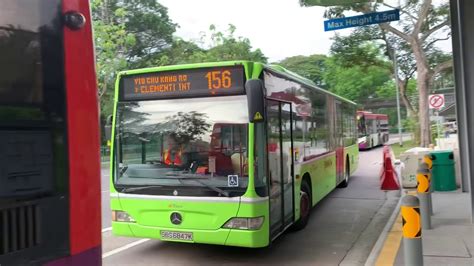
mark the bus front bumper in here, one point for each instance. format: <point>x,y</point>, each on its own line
<point>222,236</point>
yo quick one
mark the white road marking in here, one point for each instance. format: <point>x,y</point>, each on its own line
<point>106,229</point>
<point>118,250</point>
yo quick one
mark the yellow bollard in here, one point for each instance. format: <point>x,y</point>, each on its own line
<point>423,177</point>
<point>411,226</point>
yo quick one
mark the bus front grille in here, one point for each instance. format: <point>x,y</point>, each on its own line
<point>19,228</point>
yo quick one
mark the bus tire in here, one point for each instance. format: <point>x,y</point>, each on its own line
<point>305,206</point>
<point>347,174</point>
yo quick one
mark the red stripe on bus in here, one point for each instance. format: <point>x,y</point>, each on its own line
<point>83,133</point>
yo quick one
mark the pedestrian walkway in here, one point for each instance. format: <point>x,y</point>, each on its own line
<point>449,242</point>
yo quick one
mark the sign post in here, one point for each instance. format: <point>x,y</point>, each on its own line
<point>362,20</point>
<point>437,102</point>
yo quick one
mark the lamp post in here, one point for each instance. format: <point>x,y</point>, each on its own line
<point>395,65</point>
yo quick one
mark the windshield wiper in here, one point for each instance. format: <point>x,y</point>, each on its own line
<point>198,180</point>
<point>132,189</point>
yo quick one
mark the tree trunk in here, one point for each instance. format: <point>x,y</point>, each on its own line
<point>402,85</point>
<point>423,81</point>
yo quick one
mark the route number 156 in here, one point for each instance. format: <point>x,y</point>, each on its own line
<point>219,79</point>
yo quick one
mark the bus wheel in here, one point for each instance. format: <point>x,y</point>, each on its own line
<point>305,206</point>
<point>347,173</point>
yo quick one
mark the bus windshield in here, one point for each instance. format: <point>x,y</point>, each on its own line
<point>182,147</point>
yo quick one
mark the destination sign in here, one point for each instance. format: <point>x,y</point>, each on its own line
<point>362,20</point>
<point>202,82</point>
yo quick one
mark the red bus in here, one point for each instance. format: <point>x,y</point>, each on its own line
<point>49,135</point>
<point>372,128</point>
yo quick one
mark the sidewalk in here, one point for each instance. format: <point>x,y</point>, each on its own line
<point>451,239</point>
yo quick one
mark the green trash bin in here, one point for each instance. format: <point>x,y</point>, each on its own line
<point>444,176</point>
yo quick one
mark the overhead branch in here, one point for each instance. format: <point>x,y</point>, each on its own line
<point>442,67</point>
<point>422,15</point>
<point>434,29</point>
<point>387,27</point>
<point>384,26</point>
<point>412,18</point>
<point>428,45</point>
<point>411,73</point>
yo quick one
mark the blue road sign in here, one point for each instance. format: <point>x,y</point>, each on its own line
<point>362,20</point>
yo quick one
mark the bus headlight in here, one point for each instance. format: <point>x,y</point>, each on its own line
<point>244,223</point>
<point>121,216</point>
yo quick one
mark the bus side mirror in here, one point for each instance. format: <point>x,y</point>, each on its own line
<point>108,128</point>
<point>255,98</point>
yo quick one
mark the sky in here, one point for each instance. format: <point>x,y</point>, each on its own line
<point>280,28</point>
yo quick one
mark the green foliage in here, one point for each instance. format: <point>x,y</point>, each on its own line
<point>423,23</point>
<point>180,52</point>
<point>149,22</point>
<point>311,67</point>
<point>354,50</point>
<point>412,125</point>
<point>226,46</point>
<point>388,89</point>
<point>223,47</point>
<point>112,40</point>
<point>397,149</point>
<point>138,33</point>
<point>357,82</point>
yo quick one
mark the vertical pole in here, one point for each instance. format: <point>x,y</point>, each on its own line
<point>143,152</point>
<point>412,245</point>
<point>463,39</point>
<point>423,190</point>
<point>395,65</point>
<point>428,160</point>
<point>438,126</point>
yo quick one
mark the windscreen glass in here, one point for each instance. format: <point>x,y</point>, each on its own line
<point>183,147</point>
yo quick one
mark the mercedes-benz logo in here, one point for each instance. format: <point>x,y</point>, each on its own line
<point>176,218</point>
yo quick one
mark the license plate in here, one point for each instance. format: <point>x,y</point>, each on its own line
<point>177,235</point>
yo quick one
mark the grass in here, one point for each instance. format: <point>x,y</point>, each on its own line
<point>397,150</point>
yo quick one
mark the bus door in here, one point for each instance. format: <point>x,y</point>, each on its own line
<point>280,164</point>
<point>339,137</point>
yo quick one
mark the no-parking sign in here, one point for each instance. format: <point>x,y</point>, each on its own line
<point>436,101</point>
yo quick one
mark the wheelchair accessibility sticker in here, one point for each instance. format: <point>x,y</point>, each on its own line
<point>232,180</point>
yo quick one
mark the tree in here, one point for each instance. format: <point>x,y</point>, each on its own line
<point>356,83</point>
<point>355,69</point>
<point>188,127</point>
<point>180,52</point>
<point>112,41</point>
<point>311,67</point>
<point>226,46</point>
<point>221,47</point>
<point>128,34</point>
<point>420,28</point>
<point>149,22</point>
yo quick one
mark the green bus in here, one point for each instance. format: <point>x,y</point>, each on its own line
<point>227,153</point>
